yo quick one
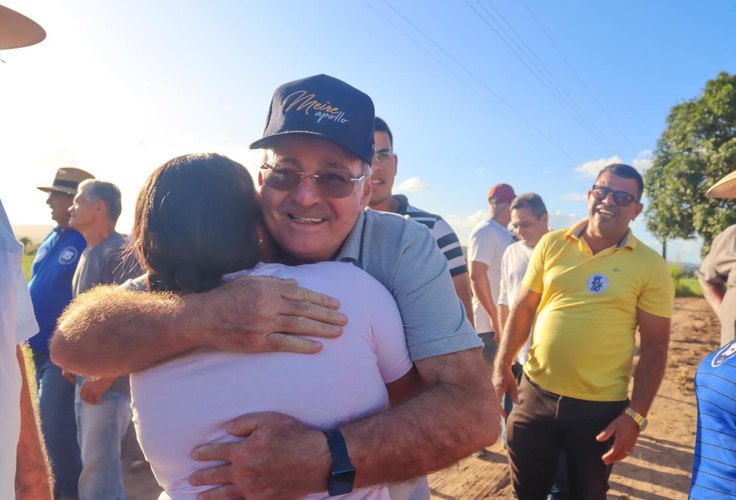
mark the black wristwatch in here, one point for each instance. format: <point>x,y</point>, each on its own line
<point>342,474</point>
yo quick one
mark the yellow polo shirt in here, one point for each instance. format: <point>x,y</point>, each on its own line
<point>583,337</point>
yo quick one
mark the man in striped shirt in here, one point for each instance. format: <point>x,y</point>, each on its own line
<point>384,166</point>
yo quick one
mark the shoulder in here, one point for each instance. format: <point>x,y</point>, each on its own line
<point>390,225</point>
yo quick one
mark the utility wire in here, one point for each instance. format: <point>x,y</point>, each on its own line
<point>472,75</point>
<point>575,72</point>
<point>505,31</point>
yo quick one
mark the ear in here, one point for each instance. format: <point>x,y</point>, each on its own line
<point>260,180</point>
<point>637,211</point>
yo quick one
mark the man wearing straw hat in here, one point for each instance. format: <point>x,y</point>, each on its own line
<point>714,463</point>
<point>51,291</point>
<point>717,274</point>
<point>23,471</point>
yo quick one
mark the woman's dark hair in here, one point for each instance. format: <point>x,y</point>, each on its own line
<point>195,220</point>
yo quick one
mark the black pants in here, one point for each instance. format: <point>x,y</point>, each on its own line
<point>542,425</point>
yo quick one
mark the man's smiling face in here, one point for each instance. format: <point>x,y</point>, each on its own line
<point>384,171</point>
<point>308,226</point>
<point>607,218</point>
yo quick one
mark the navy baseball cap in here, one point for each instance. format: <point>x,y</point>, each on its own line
<point>325,107</point>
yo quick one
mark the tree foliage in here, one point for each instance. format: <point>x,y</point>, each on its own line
<point>696,149</point>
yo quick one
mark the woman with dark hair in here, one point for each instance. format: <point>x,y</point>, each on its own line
<point>196,220</point>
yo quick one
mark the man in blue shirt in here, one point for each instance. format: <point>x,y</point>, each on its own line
<point>51,291</point>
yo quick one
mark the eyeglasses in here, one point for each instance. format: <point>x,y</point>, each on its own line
<point>622,198</point>
<point>330,184</point>
<point>383,155</point>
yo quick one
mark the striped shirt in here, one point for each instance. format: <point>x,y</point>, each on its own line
<point>714,464</point>
<point>446,238</point>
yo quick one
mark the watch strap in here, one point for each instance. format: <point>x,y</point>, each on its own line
<point>640,420</point>
<point>342,474</point>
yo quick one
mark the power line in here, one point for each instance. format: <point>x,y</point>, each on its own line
<point>505,31</point>
<point>472,75</point>
<point>575,72</point>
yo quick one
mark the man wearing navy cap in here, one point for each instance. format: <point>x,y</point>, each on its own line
<point>315,186</point>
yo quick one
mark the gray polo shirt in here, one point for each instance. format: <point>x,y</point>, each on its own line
<point>404,257</point>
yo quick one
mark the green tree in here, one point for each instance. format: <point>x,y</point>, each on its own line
<point>697,148</point>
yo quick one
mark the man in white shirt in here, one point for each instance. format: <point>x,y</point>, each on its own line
<point>529,221</point>
<point>488,240</point>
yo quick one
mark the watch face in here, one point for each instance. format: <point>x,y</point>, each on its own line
<point>341,482</point>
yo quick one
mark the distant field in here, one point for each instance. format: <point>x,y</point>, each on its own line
<point>35,233</point>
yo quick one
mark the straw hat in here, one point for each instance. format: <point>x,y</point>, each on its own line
<point>16,30</point>
<point>725,188</point>
<point>67,180</point>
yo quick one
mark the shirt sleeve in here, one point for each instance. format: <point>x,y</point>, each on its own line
<point>720,262</point>
<point>503,294</point>
<point>450,247</point>
<point>658,295</point>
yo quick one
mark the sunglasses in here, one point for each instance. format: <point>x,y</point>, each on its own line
<point>622,198</point>
<point>329,183</point>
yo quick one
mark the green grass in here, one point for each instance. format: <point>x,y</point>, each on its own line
<point>686,284</point>
<point>687,287</point>
<point>27,261</point>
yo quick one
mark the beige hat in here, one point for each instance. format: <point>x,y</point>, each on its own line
<point>16,30</point>
<point>725,188</point>
<point>67,180</point>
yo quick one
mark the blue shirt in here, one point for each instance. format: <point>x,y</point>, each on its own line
<point>51,281</point>
<point>714,464</point>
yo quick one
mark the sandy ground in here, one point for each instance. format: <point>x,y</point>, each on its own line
<point>658,468</point>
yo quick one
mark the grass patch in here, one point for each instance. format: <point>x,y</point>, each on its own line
<point>686,283</point>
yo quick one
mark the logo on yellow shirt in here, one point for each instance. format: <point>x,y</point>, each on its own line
<point>597,283</point>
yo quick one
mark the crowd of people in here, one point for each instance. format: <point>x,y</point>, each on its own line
<point>312,334</point>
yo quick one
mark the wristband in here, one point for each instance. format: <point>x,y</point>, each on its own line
<point>342,474</point>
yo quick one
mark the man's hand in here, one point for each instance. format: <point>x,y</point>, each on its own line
<point>262,314</point>
<point>262,465</point>
<point>92,390</point>
<point>624,431</point>
<point>69,376</point>
<point>505,382</point>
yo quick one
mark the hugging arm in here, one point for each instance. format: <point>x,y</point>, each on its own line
<point>110,331</point>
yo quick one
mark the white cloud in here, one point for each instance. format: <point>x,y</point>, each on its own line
<point>480,170</point>
<point>591,168</point>
<point>560,220</point>
<point>412,185</point>
<point>643,161</point>
<point>463,224</point>
<point>575,196</point>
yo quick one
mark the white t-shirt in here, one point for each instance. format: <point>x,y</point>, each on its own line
<point>513,266</point>
<point>488,240</point>
<point>17,324</point>
<point>186,402</point>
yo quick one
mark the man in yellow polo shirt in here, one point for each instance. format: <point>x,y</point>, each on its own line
<point>586,291</point>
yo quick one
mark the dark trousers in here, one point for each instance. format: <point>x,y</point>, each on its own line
<point>541,426</point>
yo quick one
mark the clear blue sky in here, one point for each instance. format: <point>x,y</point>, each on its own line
<point>534,93</point>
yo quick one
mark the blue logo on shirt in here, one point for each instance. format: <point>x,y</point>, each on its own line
<point>726,352</point>
<point>597,283</point>
<point>67,256</point>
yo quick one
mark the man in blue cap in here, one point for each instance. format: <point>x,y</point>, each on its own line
<point>318,145</point>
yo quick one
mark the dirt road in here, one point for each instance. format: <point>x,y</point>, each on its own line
<point>658,468</point>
